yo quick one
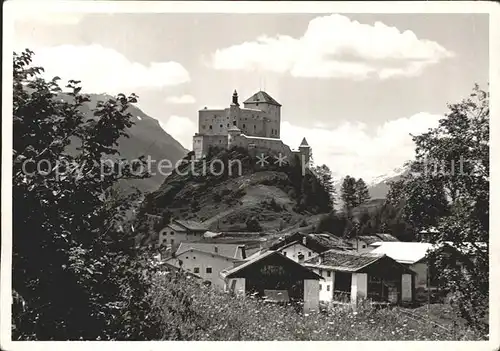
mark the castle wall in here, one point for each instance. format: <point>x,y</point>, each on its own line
<point>273,113</point>
<point>201,143</point>
<point>251,122</point>
<point>213,122</point>
<point>264,144</point>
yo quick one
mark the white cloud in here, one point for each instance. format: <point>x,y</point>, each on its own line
<point>353,149</point>
<point>184,99</point>
<point>335,46</point>
<point>181,128</point>
<point>105,70</point>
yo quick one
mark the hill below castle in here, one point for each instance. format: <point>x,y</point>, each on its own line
<point>270,198</point>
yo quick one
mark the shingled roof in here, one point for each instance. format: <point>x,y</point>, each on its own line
<point>191,225</point>
<point>227,250</point>
<point>262,96</point>
<point>305,240</point>
<point>352,261</point>
<point>348,261</point>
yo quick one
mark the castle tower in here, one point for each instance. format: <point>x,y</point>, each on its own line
<point>264,102</point>
<point>235,98</point>
<point>232,133</point>
<point>305,152</point>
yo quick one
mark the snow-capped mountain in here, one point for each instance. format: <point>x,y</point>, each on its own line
<point>379,186</point>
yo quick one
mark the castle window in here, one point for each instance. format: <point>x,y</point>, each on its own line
<point>234,123</point>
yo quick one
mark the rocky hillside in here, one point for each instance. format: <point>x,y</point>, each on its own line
<point>272,198</point>
<point>146,138</point>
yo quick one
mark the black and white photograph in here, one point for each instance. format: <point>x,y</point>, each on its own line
<point>249,171</point>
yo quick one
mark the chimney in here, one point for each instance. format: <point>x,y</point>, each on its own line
<point>240,252</point>
<point>301,257</point>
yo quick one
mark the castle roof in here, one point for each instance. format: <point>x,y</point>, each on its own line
<point>304,142</point>
<point>262,96</point>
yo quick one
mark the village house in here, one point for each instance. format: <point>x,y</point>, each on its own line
<point>274,276</point>
<point>350,276</point>
<point>363,243</point>
<point>412,255</point>
<point>207,260</point>
<point>181,231</point>
<point>300,247</point>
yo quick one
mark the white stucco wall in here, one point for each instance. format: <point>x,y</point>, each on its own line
<point>311,295</point>
<point>361,245</point>
<point>406,291</point>
<point>167,236</point>
<point>327,285</point>
<point>197,259</point>
<point>293,251</point>
<point>359,287</point>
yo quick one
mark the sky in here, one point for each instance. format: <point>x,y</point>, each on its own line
<point>355,85</point>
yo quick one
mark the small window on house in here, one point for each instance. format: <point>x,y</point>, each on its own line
<point>210,127</point>
<point>228,124</point>
<point>196,270</point>
<point>234,123</point>
<point>209,270</point>
<point>328,273</point>
<point>187,257</point>
<point>363,246</point>
<point>328,288</point>
<point>244,125</point>
<point>321,272</point>
<point>164,240</point>
<point>309,254</point>
<point>172,233</point>
<point>254,126</point>
<point>221,125</point>
<point>284,253</point>
<point>319,286</point>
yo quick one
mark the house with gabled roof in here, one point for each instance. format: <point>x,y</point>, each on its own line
<point>181,231</point>
<point>300,247</point>
<point>207,260</point>
<point>350,276</point>
<point>365,243</point>
<point>272,274</point>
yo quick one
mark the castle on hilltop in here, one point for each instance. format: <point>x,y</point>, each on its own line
<point>254,126</point>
